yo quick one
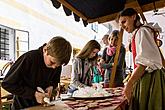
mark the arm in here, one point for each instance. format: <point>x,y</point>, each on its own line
<point>136,75</point>
<point>76,72</point>
<point>105,65</point>
<point>13,81</point>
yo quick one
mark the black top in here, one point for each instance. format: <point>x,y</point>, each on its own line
<point>26,74</point>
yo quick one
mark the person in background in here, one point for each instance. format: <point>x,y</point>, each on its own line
<point>82,68</point>
<point>145,89</point>
<point>98,75</point>
<point>104,44</point>
<point>105,39</point>
<point>100,69</point>
<point>37,68</point>
<point>108,60</point>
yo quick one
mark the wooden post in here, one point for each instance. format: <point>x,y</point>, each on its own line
<point>140,11</point>
<point>119,43</point>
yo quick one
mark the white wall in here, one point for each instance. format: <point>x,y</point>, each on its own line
<point>43,21</point>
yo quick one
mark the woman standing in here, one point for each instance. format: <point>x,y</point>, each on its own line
<point>82,68</point>
<point>108,58</point>
<point>145,89</point>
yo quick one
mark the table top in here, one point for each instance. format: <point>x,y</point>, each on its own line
<point>115,102</point>
<point>64,105</point>
<point>59,105</point>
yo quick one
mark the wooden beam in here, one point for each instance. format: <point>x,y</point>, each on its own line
<point>78,13</point>
<point>147,7</point>
<point>103,19</point>
<point>150,6</point>
<point>113,73</point>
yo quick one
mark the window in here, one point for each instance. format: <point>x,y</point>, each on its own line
<point>4,44</point>
<point>22,42</point>
<point>13,43</point>
<point>94,27</point>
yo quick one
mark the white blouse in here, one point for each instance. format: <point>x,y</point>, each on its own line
<point>147,52</point>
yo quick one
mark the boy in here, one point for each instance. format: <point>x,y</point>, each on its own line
<point>37,68</point>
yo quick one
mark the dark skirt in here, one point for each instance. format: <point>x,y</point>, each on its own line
<point>149,92</point>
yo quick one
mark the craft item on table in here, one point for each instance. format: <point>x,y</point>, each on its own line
<point>115,101</point>
<point>71,102</point>
<point>79,105</point>
<point>82,108</point>
<point>46,99</point>
<point>110,99</point>
<point>88,101</point>
<point>101,101</point>
<point>105,104</point>
<point>90,92</point>
<point>92,105</point>
<point>115,91</point>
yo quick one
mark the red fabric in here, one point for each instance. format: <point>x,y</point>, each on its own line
<point>133,46</point>
<point>134,50</point>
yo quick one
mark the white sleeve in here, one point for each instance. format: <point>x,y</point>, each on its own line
<point>147,52</point>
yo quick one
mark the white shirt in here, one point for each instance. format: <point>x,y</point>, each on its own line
<point>147,52</point>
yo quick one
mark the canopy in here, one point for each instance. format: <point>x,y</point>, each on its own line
<point>106,10</point>
<point>103,10</point>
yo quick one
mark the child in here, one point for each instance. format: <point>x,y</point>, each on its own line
<point>108,57</point>
<point>37,68</point>
<point>98,72</point>
<point>145,90</point>
<point>82,70</point>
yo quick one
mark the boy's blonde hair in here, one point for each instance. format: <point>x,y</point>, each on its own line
<point>59,48</point>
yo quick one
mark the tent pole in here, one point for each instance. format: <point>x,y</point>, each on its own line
<point>119,42</point>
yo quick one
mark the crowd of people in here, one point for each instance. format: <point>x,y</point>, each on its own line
<point>145,90</point>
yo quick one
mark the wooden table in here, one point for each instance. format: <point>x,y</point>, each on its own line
<point>60,105</point>
<point>115,102</point>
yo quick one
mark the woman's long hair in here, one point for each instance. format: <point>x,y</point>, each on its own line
<point>88,48</point>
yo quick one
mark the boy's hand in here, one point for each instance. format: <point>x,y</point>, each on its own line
<point>48,91</point>
<point>39,97</point>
